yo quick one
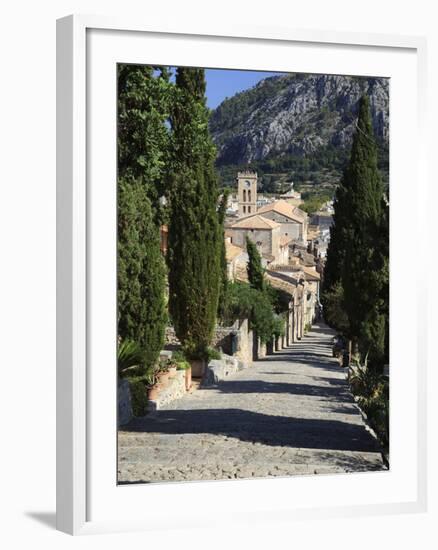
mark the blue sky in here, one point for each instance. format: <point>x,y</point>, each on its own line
<point>222,83</point>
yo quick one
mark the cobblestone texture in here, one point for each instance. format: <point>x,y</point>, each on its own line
<point>289,414</point>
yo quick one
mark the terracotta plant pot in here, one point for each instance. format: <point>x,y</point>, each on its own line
<point>163,377</point>
<point>154,392</point>
<point>188,373</point>
<point>198,367</point>
<point>172,371</point>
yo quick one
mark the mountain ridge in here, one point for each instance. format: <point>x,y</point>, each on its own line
<point>298,117</point>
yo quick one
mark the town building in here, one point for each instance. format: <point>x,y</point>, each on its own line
<point>265,233</point>
<point>323,219</point>
<point>236,257</point>
<point>312,281</point>
<point>247,192</point>
<point>292,220</point>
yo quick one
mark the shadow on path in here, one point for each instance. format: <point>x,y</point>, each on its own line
<point>259,428</point>
<point>260,386</point>
<point>225,413</point>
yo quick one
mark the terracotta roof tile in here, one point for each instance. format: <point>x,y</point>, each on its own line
<point>255,222</point>
<point>285,209</point>
<point>232,251</point>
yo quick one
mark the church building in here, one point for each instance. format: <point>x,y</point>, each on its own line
<point>247,192</point>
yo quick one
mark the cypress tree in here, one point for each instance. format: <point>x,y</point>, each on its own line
<point>336,248</point>
<point>141,271</point>
<point>357,260</point>
<point>223,291</point>
<point>144,95</point>
<point>333,290</point>
<point>254,268</point>
<point>195,237</point>
<point>142,150</point>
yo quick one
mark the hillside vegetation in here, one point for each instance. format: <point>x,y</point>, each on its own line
<point>297,127</point>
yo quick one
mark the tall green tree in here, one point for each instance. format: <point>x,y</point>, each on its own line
<point>142,152</point>
<point>145,95</point>
<point>356,274</point>
<point>223,291</point>
<point>195,236</point>
<point>141,271</point>
<point>364,263</point>
<point>333,290</point>
<point>256,273</point>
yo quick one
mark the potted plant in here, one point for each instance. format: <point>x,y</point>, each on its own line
<point>199,360</point>
<point>154,387</point>
<point>163,373</point>
<point>184,365</point>
<point>188,372</point>
<point>171,368</point>
<point>154,392</point>
<point>179,359</point>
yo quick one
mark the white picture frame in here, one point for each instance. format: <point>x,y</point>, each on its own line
<point>79,40</point>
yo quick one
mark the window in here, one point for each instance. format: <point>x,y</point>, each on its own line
<point>249,195</point>
<point>249,210</point>
<point>244,195</point>
<point>244,209</point>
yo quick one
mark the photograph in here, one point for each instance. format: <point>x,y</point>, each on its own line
<point>252,274</point>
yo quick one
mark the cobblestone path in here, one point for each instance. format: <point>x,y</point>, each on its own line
<point>288,414</point>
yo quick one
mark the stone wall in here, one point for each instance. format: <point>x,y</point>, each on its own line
<point>261,350</point>
<point>175,389</point>
<point>268,237</point>
<point>124,403</point>
<point>237,340</point>
<point>220,369</point>
<point>288,228</point>
<point>223,337</point>
<point>245,342</point>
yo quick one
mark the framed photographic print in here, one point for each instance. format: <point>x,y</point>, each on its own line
<point>237,325</point>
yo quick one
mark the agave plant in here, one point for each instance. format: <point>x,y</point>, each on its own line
<point>151,377</point>
<point>129,355</point>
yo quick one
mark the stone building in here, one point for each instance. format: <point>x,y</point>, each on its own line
<point>311,280</point>
<point>247,192</point>
<point>265,233</point>
<point>235,257</point>
<point>293,221</point>
<point>323,219</point>
<point>301,284</point>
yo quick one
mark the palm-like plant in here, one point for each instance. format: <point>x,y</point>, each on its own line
<point>129,355</point>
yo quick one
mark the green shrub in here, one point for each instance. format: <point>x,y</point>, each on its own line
<point>255,305</point>
<point>179,358</point>
<point>280,299</point>
<point>213,354</point>
<point>206,354</point>
<point>372,392</point>
<point>139,394</point>
<point>279,327</point>
<point>182,365</point>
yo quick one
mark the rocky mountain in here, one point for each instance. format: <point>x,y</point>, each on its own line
<point>297,116</point>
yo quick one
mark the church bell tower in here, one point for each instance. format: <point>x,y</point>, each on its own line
<point>247,192</point>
